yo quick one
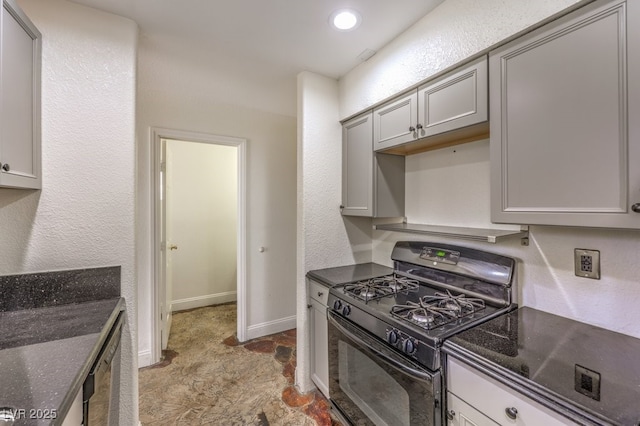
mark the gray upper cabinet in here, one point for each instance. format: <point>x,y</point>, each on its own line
<point>565,134</point>
<point>395,122</point>
<point>20,62</point>
<point>372,184</point>
<point>454,101</point>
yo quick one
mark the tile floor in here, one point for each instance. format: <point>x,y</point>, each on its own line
<point>207,377</point>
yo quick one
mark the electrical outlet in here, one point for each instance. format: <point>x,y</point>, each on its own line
<point>587,263</point>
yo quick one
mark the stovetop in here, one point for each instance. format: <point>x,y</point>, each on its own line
<point>434,292</point>
<point>401,307</point>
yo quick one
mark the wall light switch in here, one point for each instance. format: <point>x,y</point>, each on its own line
<point>587,263</point>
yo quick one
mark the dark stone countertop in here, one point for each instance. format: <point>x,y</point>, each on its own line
<point>349,273</point>
<point>544,356</point>
<point>48,348</point>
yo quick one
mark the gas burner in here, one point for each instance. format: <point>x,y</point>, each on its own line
<point>459,305</point>
<point>438,309</point>
<point>423,315</point>
<point>377,288</point>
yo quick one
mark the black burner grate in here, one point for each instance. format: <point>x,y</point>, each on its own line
<point>377,288</point>
<point>436,310</point>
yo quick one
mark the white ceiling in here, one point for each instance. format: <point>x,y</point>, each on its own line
<point>268,42</point>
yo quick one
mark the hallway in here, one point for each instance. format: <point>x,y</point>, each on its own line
<point>207,378</point>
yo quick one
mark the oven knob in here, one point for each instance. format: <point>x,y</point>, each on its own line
<point>409,347</point>
<point>392,337</point>
<point>346,310</point>
<point>337,305</point>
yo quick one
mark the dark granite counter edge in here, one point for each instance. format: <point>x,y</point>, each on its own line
<point>84,370</point>
<point>540,394</point>
<point>369,270</point>
<point>311,276</point>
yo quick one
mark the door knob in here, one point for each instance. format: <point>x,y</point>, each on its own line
<point>511,412</point>
<point>636,208</point>
<point>451,414</point>
<point>173,247</point>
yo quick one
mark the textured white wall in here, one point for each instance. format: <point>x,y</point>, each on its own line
<point>325,238</point>
<point>271,185</point>
<point>202,203</point>
<point>84,215</point>
<point>452,32</point>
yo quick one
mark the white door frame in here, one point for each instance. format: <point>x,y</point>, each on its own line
<point>158,288</point>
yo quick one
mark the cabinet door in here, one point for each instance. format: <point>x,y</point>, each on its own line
<point>496,401</point>
<point>357,166</point>
<point>394,123</point>
<point>20,100</point>
<point>561,144</point>
<point>460,413</point>
<point>456,100</point>
<point>319,346</point>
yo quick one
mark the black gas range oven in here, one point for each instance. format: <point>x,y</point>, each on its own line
<point>385,333</point>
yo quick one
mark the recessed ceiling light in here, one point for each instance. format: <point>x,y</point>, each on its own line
<point>345,20</point>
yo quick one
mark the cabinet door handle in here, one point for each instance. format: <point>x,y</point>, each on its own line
<point>451,414</point>
<point>419,126</point>
<point>511,412</point>
<point>6,167</point>
<point>320,293</point>
<point>636,208</point>
<point>309,306</point>
<point>412,129</point>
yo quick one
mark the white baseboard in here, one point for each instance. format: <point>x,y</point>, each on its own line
<point>271,327</point>
<point>200,301</point>
<point>144,359</point>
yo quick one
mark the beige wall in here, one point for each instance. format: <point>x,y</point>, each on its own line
<point>202,214</point>
<point>271,188</point>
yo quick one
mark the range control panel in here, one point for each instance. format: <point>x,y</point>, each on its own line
<point>440,255</point>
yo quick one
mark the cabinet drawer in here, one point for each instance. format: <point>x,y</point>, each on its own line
<point>318,292</point>
<point>493,398</point>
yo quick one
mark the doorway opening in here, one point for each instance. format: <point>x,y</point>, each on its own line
<point>200,221</point>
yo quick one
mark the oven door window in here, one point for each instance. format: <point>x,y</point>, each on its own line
<point>374,391</point>
<point>368,386</point>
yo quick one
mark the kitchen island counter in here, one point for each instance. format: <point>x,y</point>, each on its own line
<point>48,349</point>
<point>586,373</point>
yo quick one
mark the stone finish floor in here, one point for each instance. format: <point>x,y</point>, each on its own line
<point>207,377</point>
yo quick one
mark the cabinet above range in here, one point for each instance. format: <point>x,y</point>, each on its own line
<point>565,138</point>
<point>447,110</point>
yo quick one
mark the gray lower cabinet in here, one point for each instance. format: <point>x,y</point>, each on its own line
<point>372,184</point>
<point>565,134</point>
<point>20,63</point>
<point>451,102</point>
<point>319,335</point>
<point>475,399</point>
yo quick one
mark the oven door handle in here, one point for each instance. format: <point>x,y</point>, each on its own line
<point>416,374</point>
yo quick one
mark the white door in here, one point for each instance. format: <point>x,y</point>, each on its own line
<point>166,248</point>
